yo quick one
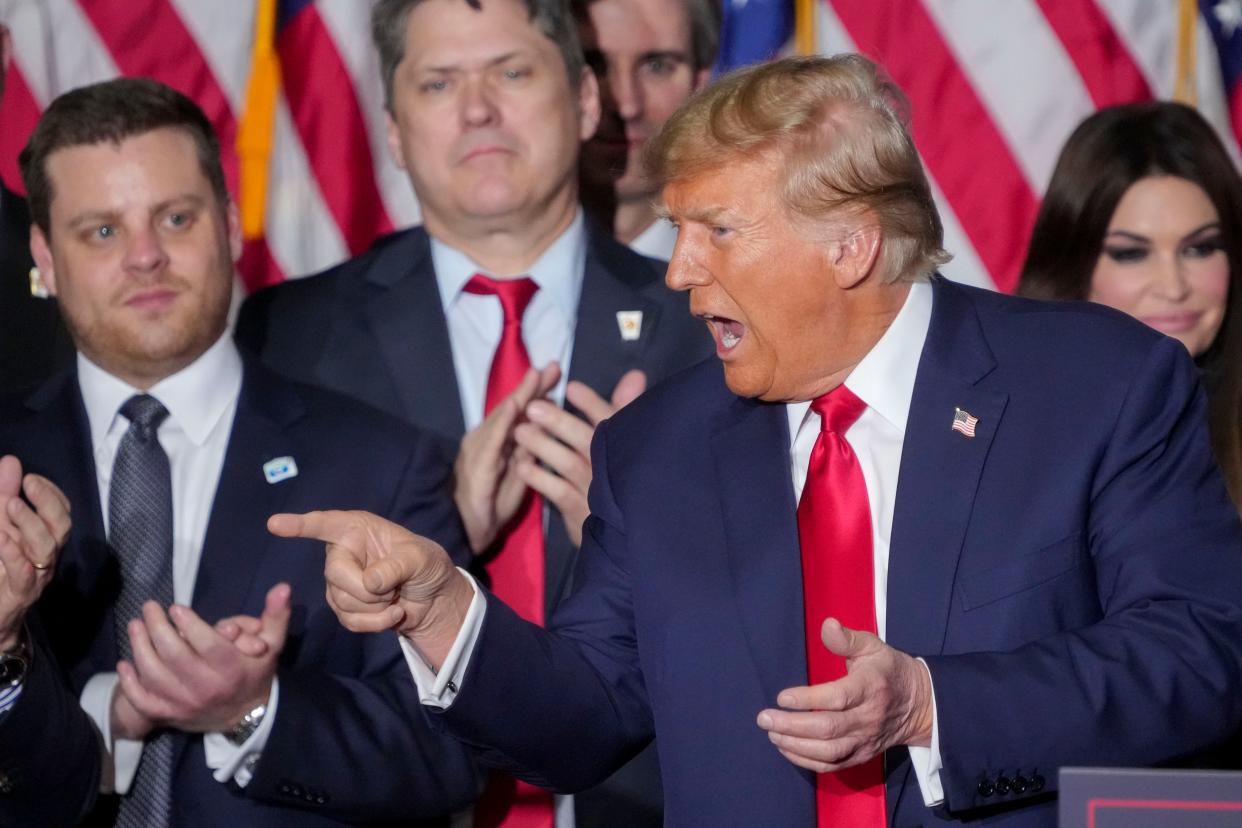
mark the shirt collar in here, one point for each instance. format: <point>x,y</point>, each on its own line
<point>196,396</point>
<point>884,380</point>
<point>558,272</point>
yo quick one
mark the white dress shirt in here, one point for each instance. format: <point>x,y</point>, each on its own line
<point>474,326</point>
<point>475,320</point>
<point>657,241</point>
<point>884,380</point>
<point>201,400</point>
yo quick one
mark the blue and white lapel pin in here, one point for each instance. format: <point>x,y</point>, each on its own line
<point>281,468</point>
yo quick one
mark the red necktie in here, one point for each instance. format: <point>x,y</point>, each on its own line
<point>838,580</point>
<point>517,572</point>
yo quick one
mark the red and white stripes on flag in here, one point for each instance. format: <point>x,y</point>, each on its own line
<point>964,422</point>
<point>331,187</point>
<point>995,89</point>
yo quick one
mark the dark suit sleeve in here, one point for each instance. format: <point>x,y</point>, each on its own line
<point>361,741</point>
<point>1158,674</point>
<point>576,707</point>
<point>50,752</point>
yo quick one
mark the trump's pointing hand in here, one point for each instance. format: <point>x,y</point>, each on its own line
<point>381,576</point>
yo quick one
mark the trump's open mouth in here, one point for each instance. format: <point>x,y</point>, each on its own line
<point>728,332</point>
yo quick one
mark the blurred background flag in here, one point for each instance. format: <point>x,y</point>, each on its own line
<point>1224,21</point>
<point>753,30</point>
<point>996,88</point>
<point>293,88</point>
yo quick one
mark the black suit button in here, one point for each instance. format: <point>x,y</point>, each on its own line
<point>986,788</point>
<point>1002,785</point>
<point>321,800</point>
<point>6,784</point>
<point>1020,784</point>
<point>1037,783</point>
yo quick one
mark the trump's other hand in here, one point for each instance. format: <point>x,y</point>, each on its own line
<point>380,576</point>
<point>884,700</point>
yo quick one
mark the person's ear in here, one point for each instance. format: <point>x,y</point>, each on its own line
<point>41,252</point>
<point>854,257</point>
<point>588,104</point>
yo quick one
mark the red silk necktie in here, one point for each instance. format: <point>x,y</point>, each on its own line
<point>838,581</point>
<point>517,572</point>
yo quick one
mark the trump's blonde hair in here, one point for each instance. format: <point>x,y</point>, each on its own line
<point>836,127</point>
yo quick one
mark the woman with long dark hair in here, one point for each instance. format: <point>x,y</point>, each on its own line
<point>1144,213</point>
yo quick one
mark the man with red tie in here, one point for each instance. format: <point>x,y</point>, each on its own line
<point>445,324</point>
<point>903,551</point>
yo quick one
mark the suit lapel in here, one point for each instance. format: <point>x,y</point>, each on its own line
<point>600,353</point>
<point>237,538</point>
<point>940,471</point>
<point>600,356</point>
<point>751,453</point>
<point>407,323</point>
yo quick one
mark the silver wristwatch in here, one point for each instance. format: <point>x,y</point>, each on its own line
<point>249,723</point>
<point>13,664</point>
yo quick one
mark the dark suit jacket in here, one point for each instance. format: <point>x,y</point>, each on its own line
<point>33,340</point>
<point>374,328</point>
<point>51,757</point>
<point>349,743</point>
<point>1072,575</point>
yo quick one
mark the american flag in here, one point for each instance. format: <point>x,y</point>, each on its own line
<point>995,89</point>
<point>964,422</point>
<point>327,186</point>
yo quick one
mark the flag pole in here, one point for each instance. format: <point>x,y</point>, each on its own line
<point>254,132</point>
<point>804,26</point>
<point>1185,88</point>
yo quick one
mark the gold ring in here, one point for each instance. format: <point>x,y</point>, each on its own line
<point>41,567</point>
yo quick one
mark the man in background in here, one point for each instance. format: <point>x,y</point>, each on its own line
<point>223,688</point>
<point>505,304</point>
<point>649,56</point>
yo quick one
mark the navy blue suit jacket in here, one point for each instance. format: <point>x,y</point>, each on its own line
<point>1072,575</point>
<point>374,328</point>
<point>349,743</point>
<point>50,759</point>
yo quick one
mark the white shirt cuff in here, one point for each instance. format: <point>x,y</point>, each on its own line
<point>9,697</point>
<point>926,760</point>
<point>439,689</point>
<point>237,762</point>
<point>120,759</point>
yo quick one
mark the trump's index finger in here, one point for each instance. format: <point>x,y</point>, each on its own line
<point>327,526</point>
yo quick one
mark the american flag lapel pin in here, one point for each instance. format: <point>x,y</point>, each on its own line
<point>964,422</point>
<point>630,324</point>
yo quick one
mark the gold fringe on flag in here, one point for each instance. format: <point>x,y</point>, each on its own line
<point>804,26</point>
<point>254,132</point>
<point>1185,88</point>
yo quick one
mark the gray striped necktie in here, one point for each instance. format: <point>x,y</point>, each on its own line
<point>140,532</point>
